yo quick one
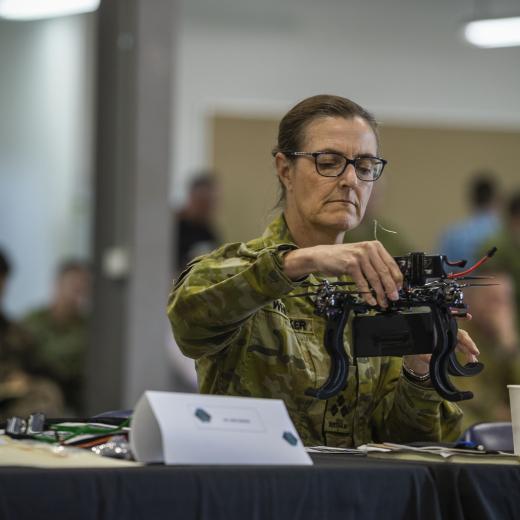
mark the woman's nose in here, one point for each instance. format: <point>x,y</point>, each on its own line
<point>348,177</point>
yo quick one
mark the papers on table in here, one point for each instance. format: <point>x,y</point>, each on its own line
<point>332,449</point>
<point>433,453</point>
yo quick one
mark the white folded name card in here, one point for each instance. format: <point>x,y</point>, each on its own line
<point>177,428</point>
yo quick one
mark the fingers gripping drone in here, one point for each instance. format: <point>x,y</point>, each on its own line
<point>422,321</point>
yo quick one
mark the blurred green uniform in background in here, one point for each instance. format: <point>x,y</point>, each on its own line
<point>491,397</point>
<point>494,328</point>
<point>506,260</point>
<point>60,349</point>
<point>22,389</point>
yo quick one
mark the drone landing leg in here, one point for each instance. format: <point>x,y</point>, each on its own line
<point>454,367</point>
<point>338,357</point>
<point>442,358</point>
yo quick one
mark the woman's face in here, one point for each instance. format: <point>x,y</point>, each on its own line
<point>329,203</point>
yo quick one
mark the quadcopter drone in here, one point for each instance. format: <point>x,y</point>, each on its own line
<point>422,321</point>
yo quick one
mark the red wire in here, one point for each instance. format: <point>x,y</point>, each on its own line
<point>489,254</point>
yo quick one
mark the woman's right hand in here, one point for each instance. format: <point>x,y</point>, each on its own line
<point>369,265</point>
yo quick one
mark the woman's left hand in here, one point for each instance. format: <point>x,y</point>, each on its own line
<point>420,363</point>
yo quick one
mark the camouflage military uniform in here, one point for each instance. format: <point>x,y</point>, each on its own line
<point>231,311</point>
<point>60,350</point>
<point>22,390</point>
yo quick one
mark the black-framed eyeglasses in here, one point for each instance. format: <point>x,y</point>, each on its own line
<point>333,164</point>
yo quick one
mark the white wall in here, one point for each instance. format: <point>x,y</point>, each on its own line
<point>46,125</point>
<point>403,59</point>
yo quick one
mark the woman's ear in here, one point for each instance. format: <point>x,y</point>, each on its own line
<point>284,169</point>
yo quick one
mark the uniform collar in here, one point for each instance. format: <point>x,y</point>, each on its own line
<point>278,232</point>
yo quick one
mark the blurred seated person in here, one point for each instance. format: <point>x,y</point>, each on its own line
<point>22,390</point>
<point>59,332</point>
<point>463,240</point>
<point>242,314</point>
<point>195,221</point>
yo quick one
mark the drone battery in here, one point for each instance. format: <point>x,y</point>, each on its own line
<point>393,334</point>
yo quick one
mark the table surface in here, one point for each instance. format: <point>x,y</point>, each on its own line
<point>337,486</point>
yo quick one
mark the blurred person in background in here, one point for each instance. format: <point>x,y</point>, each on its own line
<point>22,390</point>
<point>195,225</point>
<point>195,236</point>
<point>507,241</point>
<point>463,240</point>
<point>59,332</point>
<point>496,323</point>
<point>495,330</point>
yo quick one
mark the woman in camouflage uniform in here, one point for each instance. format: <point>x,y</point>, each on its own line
<point>233,310</point>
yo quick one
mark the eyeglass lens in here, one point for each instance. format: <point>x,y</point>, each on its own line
<point>332,165</point>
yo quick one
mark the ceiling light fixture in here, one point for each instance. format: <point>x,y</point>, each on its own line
<point>37,9</point>
<point>493,32</point>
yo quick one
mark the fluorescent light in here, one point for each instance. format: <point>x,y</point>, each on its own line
<point>35,9</point>
<point>497,32</point>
